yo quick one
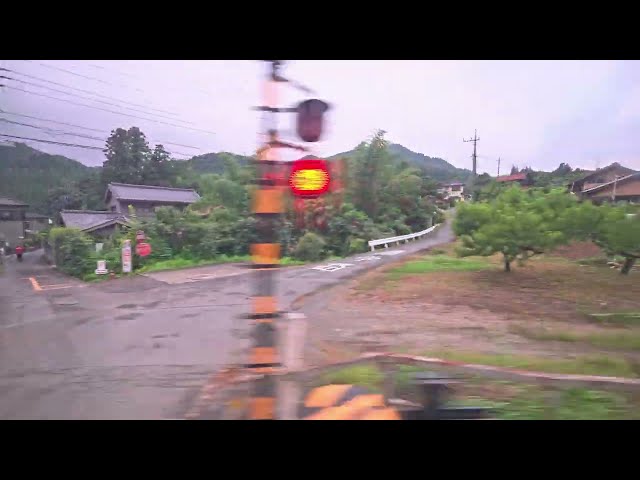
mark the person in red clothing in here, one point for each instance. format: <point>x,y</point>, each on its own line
<point>19,252</point>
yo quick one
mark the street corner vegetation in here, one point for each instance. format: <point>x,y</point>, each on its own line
<point>518,224</point>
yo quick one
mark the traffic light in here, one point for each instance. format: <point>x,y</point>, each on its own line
<point>310,115</point>
<point>309,178</point>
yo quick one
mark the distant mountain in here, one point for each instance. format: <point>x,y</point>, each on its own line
<point>435,167</point>
<point>29,175</point>
<point>213,162</point>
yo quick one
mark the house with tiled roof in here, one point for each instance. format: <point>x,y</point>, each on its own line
<point>522,178</point>
<point>119,197</point>
<point>625,188</point>
<point>97,223</point>
<point>599,177</point>
<point>146,198</point>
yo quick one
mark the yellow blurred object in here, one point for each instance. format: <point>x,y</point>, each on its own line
<point>310,179</point>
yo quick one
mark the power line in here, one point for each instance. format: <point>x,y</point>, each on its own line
<point>53,131</point>
<point>110,70</point>
<point>82,76</point>
<point>139,78</point>
<point>89,147</point>
<point>69,72</point>
<point>52,121</point>
<point>91,99</point>
<point>79,135</point>
<point>86,91</point>
<point>90,129</point>
<point>106,110</point>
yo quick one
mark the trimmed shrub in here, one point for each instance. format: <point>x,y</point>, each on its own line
<point>309,248</point>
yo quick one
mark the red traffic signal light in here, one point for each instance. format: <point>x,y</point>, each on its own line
<point>309,178</point>
<point>310,115</point>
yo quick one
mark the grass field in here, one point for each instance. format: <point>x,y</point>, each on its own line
<point>566,312</point>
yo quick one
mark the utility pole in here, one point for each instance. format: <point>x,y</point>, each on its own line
<point>498,167</point>
<point>474,156</point>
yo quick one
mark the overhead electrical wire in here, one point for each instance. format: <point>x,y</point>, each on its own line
<point>86,91</point>
<point>136,77</point>
<point>107,110</point>
<point>90,147</point>
<point>87,128</point>
<point>92,99</point>
<point>93,65</point>
<point>68,71</point>
<point>51,131</point>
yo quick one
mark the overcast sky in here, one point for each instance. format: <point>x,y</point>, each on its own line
<point>536,113</point>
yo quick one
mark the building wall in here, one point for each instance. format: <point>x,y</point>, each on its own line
<point>631,188</point>
<point>114,205</point>
<point>12,224</point>
<point>103,233</point>
<point>11,231</point>
<point>37,225</point>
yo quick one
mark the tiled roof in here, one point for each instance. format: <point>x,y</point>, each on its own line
<point>12,202</point>
<point>88,219</point>
<point>605,169</point>
<point>123,191</point>
<point>512,178</point>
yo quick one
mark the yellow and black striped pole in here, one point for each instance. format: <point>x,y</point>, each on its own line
<point>268,207</point>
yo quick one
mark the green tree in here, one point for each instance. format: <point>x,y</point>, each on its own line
<point>614,228</point>
<point>220,191</point>
<point>368,169</point>
<point>91,191</point>
<point>310,247</point>
<point>127,152</point>
<point>63,198</point>
<point>518,224</point>
<point>157,170</point>
<point>621,236</point>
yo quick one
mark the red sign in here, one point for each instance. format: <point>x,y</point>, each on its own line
<point>309,178</point>
<point>143,249</point>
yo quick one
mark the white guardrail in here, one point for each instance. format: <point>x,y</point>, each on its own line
<point>412,236</point>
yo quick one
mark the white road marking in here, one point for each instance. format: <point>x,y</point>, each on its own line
<point>333,267</point>
<point>367,259</point>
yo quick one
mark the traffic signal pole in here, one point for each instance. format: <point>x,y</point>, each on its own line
<point>268,207</point>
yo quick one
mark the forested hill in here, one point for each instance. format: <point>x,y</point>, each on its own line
<point>435,167</point>
<point>29,175</point>
<point>214,162</point>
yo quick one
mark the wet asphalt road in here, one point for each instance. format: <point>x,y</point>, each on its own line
<point>135,348</point>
